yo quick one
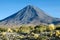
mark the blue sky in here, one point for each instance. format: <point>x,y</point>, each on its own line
<point>9,7</point>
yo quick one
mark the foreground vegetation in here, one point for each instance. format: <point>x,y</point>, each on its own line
<point>39,32</point>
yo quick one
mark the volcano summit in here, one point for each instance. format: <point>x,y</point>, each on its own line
<point>29,15</point>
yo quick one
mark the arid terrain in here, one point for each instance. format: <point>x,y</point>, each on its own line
<point>39,32</point>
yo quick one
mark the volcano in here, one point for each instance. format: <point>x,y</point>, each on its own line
<point>29,15</point>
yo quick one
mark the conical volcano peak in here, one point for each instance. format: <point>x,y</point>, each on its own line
<point>29,6</point>
<point>28,15</point>
<point>34,8</point>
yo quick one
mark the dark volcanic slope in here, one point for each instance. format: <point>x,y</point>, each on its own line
<point>28,15</point>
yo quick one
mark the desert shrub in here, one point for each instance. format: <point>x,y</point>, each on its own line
<point>42,38</point>
<point>31,28</point>
<point>15,30</point>
<point>3,37</point>
<point>3,29</point>
<point>40,28</point>
<point>3,33</point>
<point>57,33</point>
<point>36,36</point>
<point>9,30</point>
<point>24,29</point>
<point>51,34</point>
<point>21,36</point>
<point>51,27</point>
